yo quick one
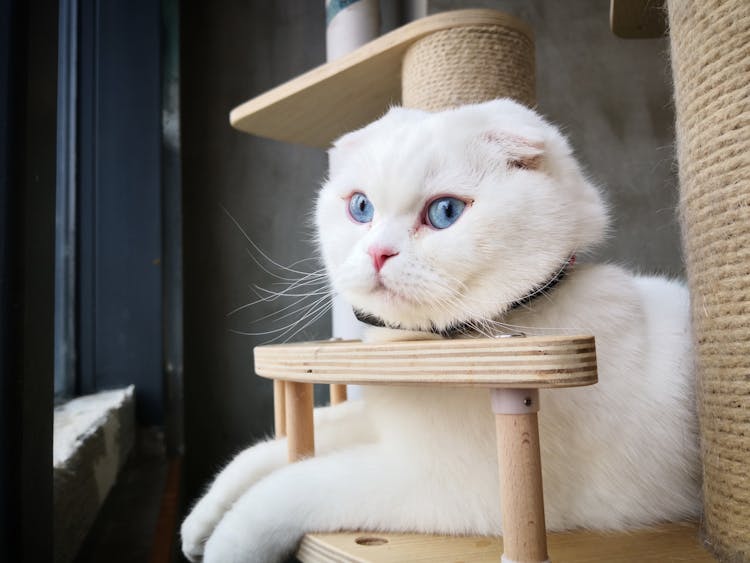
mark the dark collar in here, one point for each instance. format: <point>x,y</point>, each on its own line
<point>467,327</point>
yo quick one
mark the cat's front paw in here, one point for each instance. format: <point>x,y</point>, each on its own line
<point>239,541</point>
<point>198,527</point>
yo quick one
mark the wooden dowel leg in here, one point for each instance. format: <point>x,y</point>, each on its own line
<point>338,393</point>
<point>279,408</point>
<point>299,420</point>
<point>519,461</point>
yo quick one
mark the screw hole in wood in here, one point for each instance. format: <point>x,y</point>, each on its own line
<point>368,540</point>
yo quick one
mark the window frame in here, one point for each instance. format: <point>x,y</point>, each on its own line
<point>45,81</point>
<point>117,265</point>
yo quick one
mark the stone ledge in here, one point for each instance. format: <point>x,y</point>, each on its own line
<point>93,436</point>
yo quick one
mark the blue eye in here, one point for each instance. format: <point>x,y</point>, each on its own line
<point>443,212</point>
<point>361,208</point>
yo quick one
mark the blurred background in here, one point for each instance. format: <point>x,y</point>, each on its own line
<point>126,197</point>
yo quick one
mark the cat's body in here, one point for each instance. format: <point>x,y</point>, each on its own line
<point>464,214</point>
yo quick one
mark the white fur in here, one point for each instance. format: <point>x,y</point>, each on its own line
<point>620,454</point>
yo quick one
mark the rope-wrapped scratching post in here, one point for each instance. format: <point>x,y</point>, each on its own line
<point>710,44</point>
<point>470,64</point>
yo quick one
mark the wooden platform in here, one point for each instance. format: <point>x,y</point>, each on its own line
<point>528,362</point>
<point>348,93</point>
<point>677,543</point>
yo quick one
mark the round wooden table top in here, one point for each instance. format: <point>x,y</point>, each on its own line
<point>518,362</point>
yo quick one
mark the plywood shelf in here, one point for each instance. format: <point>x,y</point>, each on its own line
<point>669,542</point>
<point>529,362</point>
<point>330,100</point>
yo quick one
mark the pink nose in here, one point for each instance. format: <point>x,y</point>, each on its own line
<point>380,255</point>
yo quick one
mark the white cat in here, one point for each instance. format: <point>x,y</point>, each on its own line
<point>453,221</point>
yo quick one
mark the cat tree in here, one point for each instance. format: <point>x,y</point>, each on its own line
<point>433,63</point>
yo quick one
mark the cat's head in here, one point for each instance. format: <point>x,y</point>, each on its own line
<point>433,219</point>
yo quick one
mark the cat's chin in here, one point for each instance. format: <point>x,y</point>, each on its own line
<point>388,305</point>
<point>381,295</point>
<point>396,310</point>
<point>389,295</point>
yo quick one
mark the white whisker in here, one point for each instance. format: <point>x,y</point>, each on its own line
<point>319,315</point>
<point>286,293</point>
<point>257,248</point>
<point>281,331</point>
<point>273,315</point>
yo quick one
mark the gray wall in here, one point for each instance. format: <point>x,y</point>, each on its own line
<point>612,97</point>
<point>233,50</point>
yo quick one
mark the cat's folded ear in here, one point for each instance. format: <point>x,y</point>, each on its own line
<point>351,139</point>
<point>344,144</point>
<point>524,148</point>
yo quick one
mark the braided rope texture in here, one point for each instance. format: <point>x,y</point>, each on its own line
<point>710,48</point>
<point>466,65</point>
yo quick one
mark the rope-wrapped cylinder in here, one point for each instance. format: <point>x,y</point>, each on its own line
<point>470,64</point>
<point>710,44</point>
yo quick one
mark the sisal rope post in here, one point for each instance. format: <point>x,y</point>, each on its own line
<point>467,65</point>
<point>710,49</point>
<point>472,64</point>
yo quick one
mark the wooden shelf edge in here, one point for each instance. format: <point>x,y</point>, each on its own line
<point>665,542</point>
<point>291,112</point>
<point>529,362</point>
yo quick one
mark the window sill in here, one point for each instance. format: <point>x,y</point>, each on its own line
<point>93,436</point>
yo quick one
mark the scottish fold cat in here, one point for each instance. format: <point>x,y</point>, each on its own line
<point>466,223</point>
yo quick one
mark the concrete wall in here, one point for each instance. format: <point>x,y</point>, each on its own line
<point>611,95</point>
<point>233,50</point>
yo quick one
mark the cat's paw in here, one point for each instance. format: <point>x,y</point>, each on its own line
<point>249,540</point>
<point>198,527</point>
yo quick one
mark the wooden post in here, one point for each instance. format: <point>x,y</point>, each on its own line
<point>299,420</point>
<point>338,393</point>
<point>279,407</point>
<point>520,468</point>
